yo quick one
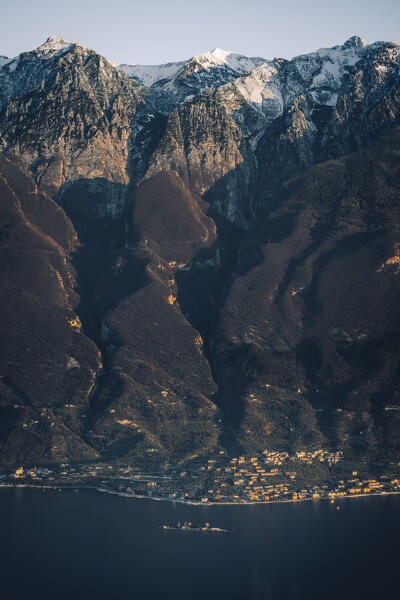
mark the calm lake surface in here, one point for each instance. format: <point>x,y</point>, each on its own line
<point>92,546</point>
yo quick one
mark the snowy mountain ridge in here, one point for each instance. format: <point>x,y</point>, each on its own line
<point>253,91</point>
<point>254,80</point>
<point>151,74</point>
<point>264,86</point>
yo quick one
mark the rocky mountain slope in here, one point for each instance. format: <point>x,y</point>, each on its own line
<point>211,243</point>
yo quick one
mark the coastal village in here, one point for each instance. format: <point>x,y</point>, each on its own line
<point>268,477</point>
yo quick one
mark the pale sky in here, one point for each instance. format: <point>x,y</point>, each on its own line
<point>151,32</point>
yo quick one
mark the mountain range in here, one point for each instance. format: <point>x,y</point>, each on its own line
<point>200,255</point>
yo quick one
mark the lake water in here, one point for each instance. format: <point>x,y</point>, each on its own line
<point>88,545</point>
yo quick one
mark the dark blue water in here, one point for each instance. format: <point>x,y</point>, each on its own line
<point>93,546</point>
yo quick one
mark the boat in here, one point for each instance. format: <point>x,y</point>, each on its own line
<point>188,526</point>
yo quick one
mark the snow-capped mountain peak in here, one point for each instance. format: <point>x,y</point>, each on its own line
<point>55,43</point>
<point>236,62</point>
<point>221,54</point>
<point>355,41</point>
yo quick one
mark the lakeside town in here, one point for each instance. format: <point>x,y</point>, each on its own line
<point>268,477</point>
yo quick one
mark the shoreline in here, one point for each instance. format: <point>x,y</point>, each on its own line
<point>191,502</point>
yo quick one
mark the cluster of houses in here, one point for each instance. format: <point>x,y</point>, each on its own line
<point>261,478</point>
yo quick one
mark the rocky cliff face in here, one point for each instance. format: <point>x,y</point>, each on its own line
<point>338,100</point>
<point>263,126</point>
<point>212,242</point>
<point>203,144</point>
<point>321,331</point>
<point>73,118</point>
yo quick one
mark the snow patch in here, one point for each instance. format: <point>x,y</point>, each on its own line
<point>334,63</point>
<point>260,85</point>
<point>12,64</point>
<point>4,60</point>
<point>149,74</point>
